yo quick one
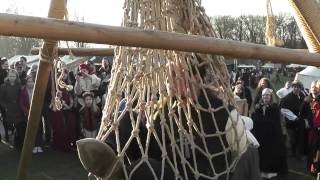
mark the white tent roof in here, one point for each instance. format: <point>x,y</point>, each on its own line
<point>271,65</point>
<point>308,75</point>
<point>295,65</point>
<point>246,66</point>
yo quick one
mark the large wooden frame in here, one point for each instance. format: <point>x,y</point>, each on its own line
<point>27,26</point>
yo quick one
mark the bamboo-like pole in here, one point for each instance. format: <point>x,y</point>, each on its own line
<point>307,15</point>
<point>35,27</point>
<point>57,10</point>
<point>81,51</point>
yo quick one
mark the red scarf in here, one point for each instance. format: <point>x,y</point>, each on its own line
<point>315,107</point>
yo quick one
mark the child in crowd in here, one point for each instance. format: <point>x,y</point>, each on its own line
<point>89,115</point>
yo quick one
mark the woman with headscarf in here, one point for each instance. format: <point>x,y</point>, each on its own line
<point>267,130</point>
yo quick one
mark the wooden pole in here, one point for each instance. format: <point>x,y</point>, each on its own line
<point>81,51</point>
<point>35,27</point>
<point>57,10</point>
<point>307,15</point>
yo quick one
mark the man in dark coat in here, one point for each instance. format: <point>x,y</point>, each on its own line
<point>296,128</point>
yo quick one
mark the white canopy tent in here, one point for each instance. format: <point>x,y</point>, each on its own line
<point>246,66</point>
<point>296,66</point>
<point>308,75</point>
<point>271,65</point>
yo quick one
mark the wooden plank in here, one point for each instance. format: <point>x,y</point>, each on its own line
<point>80,51</point>
<point>57,10</point>
<point>35,27</point>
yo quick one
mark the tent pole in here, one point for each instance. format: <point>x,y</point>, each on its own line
<point>57,10</point>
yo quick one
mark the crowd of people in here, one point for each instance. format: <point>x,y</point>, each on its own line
<point>285,123</point>
<point>81,106</point>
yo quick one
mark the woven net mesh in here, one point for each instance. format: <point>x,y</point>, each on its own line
<point>271,37</point>
<point>169,107</point>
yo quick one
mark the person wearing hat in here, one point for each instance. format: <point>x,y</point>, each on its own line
<point>295,127</point>
<point>85,82</point>
<point>268,132</point>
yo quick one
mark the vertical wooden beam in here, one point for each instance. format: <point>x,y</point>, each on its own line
<point>57,10</point>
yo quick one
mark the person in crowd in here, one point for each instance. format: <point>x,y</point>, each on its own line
<point>248,166</point>
<point>214,145</point>
<point>33,71</point>
<point>47,113</point>
<point>18,66</point>
<point>23,61</point>
<point>4,67</point>
<point>9,96</point>
<point>267,130</point>
<point>89,116</point>
<point>263,83</point>
<point>105,70</point>
<point>64,122</point>
<point>24,102</point>
<point>243,92</point>
<point>281,93</point>
<point>85,82</point>
<point>72,78</point>
<point>295,127</point>
<point>313,106</point>
<point>241,101</point>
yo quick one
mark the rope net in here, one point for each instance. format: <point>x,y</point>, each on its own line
<point>169,114</point>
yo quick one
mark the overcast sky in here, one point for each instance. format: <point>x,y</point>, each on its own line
<point>109,12</point>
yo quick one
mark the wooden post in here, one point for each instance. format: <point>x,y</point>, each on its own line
<point>57,10</point>
<point>307,15</point>
<point>81,51</point>
<point>26,26</point>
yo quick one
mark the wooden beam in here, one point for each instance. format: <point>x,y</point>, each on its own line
<point>307,15</point>
<point>57,10</point>
<point>35,27</point>
<point>81,51</point>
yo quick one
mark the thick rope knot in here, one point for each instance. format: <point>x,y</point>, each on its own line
<point>150,127</point>
<point>135,133</point>
<point>115,125</point>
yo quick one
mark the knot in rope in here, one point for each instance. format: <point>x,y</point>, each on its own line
<point>150,127</point>
<point>135,133</point>
<point>115,125</point>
